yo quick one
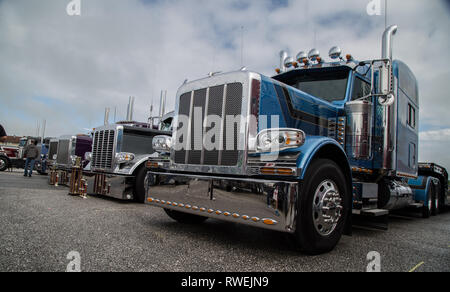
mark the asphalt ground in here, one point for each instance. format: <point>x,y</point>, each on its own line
<point>40,225</point>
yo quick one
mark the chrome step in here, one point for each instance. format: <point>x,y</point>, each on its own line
<point>371,212</point>
<point>416,205</point>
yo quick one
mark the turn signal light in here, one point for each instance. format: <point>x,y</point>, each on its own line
<point>277,171</point>
<point>152,164</point>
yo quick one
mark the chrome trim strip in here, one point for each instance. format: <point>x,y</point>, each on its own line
<point>189,132</point>
<point>202,157</point>
<point>222,126</point>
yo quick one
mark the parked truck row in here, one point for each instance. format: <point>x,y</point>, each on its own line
<point>301,152</point>
<point>113,157</point>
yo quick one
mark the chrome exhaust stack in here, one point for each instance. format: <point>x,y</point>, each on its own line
<point>106,120</point>
<point>388,101</point>
<point>162,103</point>
<point>386,54</point>
<point>283,56</point>
<point>130,109</point>
<point>387,42</point>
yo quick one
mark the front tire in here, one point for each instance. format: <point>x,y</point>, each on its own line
<point>185,218</point>
<point>322,208</point>
<point>3,163</point>
<point>139,185</point>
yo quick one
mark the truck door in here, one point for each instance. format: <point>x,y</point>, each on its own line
<point>407,121</point>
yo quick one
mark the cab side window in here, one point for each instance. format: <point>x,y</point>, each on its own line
<point>361,88</point>
<point>411,116</point>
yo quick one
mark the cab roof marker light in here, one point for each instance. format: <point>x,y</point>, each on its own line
<point>289,62</point>
<point>335,53</point>
<point>313,55</point>
<point>302,57</point>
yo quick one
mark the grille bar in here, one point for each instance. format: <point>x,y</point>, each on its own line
<point>185,110</point>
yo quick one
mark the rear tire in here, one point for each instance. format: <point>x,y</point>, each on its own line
<point>3,163</point>
<point>139,187</point>
<point>185,218</point>
<point>324,196</point>
<point>441,198</point>
<point>435,207</point>
<point>428,206</point>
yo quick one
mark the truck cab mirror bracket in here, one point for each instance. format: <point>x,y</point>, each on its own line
<point>386,97</point>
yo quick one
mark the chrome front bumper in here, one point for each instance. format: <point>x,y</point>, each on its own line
<point>109,185</point>
<point>261,203</point>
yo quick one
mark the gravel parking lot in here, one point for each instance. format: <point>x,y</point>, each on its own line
<point>41,224</point>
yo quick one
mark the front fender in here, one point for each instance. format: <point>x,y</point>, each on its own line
<point>420,187</point>
<point>130,169</point>
<point>312,146</point>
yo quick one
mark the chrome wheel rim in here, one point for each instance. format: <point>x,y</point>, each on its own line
<point>2,164</point>
<point>146,181</point>
<point>430,202</point>
<point>327,207</point>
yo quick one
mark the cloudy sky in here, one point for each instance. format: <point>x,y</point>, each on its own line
<point>67,69</point>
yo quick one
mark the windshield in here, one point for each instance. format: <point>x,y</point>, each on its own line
<point>327,85</point>
<point>167,125</point>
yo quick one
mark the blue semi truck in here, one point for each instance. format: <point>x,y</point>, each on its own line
<point>300,152</point>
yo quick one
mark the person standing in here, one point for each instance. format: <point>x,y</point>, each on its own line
<point>2,134</point>
<point>31,153</point>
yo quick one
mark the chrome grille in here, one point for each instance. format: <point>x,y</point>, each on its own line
<point>222,100</point>
<point>103,149</point>
<point>63,152</point>
<point>53,149</point>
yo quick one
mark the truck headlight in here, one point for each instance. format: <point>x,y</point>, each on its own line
<point>73,158</point>
<point>88,156</point>
<point>162,144</point>
<point>124,157</point>
<point>273,140</point>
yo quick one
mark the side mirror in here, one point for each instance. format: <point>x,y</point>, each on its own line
<point>386,100</point>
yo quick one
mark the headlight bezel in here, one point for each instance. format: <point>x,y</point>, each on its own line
<point>124,157</point>
<point>88,156</point>
<point>162,144</point>
<point>279,139</point>
<point>73,159</point>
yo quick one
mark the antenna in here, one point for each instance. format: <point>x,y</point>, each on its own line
<point>242,46</point>
<point>315,38</point>
<point>385,14</point>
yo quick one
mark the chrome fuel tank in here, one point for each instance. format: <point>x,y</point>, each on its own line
<point>359,129</point>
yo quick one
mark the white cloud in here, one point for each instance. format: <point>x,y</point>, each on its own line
<point>438,135</point>
<point>434,147</point>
